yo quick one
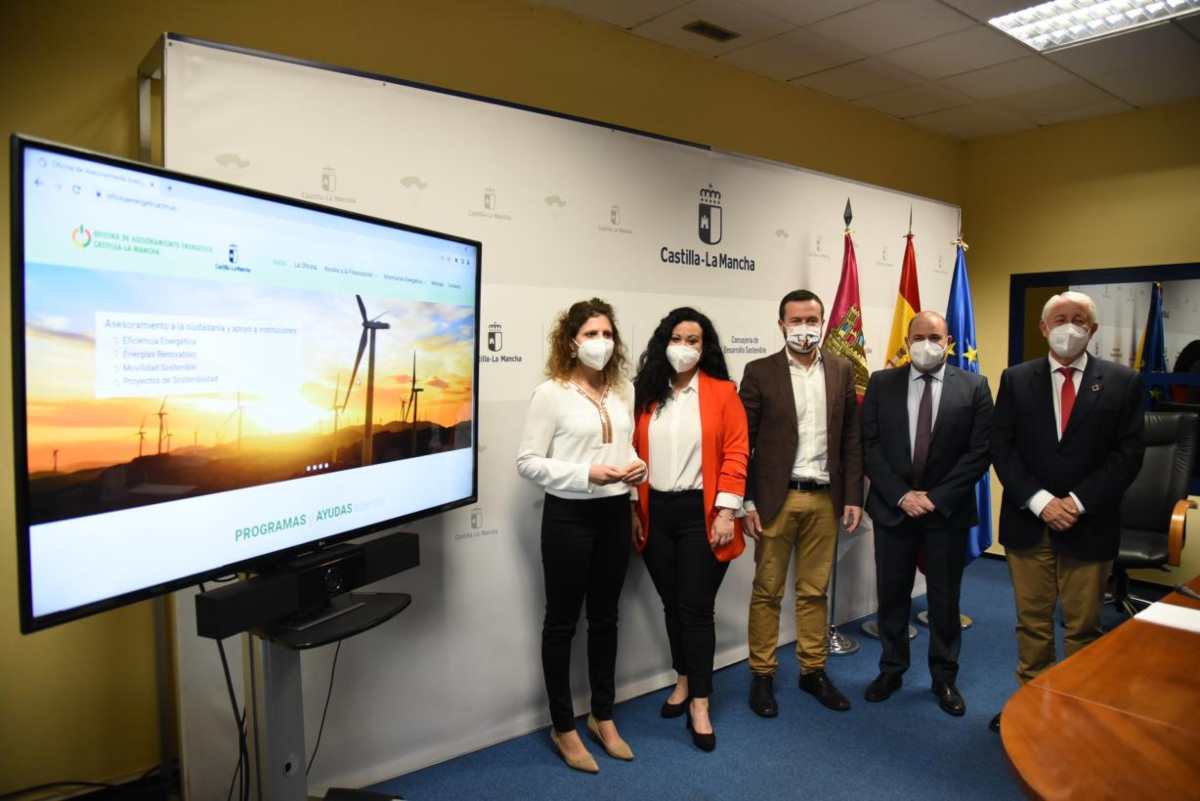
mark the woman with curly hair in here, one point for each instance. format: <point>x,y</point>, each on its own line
<point>691,432</point>
<point>577,446</point>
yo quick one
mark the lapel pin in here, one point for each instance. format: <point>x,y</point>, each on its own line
<point>1095,387</point>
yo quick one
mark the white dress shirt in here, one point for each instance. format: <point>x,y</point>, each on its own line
<point>1042,497</point>
<point>916,387</point>
<point>812,452</point>
<point>564,437</point>
<point>808,390</point>
<point>676,461</point>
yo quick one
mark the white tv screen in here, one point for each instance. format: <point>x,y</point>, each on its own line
<point>206,376</point>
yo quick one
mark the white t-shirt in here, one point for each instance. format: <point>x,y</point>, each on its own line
<point>566,433</point>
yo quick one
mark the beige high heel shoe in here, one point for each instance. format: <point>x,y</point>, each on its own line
<point>618,750</point>
<point>585,763</point>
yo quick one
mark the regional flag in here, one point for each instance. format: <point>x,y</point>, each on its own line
<point>844,335</point>
<point>908,303</point>
<point>960,320</point>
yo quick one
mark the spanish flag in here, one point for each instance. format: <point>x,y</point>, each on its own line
<point>908,304</point>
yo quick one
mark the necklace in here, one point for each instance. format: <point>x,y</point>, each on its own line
<point>605,422</point>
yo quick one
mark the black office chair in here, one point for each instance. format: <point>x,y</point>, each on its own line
<point>1154,510</point>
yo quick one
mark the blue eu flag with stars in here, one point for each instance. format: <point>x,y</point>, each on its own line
<point>960,319</point>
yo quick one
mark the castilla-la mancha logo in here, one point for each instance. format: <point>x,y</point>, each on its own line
<point>81,237</point>
<point>710,215</point>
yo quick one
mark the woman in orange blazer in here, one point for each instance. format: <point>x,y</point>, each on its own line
<point>690,429</point>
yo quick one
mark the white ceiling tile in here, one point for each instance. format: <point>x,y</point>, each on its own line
<point>792,54</point>
<point>1043,103</point>
<point>957,52</point>
<point>622,13</point>
<point>752,25</point>
<point>983,10</point>
<point>1147,67</point>
<point>915,100</point>
<point>1010,78</point>
<point>860,79</point>
<point>973,121</point>
<point>1087,112</point>
<point>805,12</point>
<point>890,24</point>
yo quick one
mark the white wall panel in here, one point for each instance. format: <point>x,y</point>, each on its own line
<point>460,669</point>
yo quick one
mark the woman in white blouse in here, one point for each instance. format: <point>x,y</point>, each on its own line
<point>577,445</point>
<point>691,432</point>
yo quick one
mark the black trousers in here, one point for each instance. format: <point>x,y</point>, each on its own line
<point>585,552</point>
<point>895,569</point>
<point>687,577</point>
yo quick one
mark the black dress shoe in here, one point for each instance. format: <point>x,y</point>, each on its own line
<point>882,687</point>
<point>994,724</point>
<point>818,685</point>
<point>762,696</point>
<point>669,710</point>
<point>705,742</point>
<point>949,699</point>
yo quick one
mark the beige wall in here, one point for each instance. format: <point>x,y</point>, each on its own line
<point>79,700</point>
<point>1119,191</point>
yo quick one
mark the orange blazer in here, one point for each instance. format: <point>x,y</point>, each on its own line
<point>724,454</point>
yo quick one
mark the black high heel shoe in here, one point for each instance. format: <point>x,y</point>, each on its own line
<point>669,710</point>
<point>705,742</point>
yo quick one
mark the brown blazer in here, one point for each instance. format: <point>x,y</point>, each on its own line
<point>766,393</point>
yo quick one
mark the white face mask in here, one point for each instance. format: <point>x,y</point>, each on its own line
<point>926,356</point>
<point>1068,340</point>
<point>803,338</point>
<point>596,352</point>
<point>682,357</point>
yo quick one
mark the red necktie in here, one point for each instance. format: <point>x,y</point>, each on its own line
<point>1068,396</point>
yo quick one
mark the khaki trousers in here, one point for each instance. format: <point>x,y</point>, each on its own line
<point>807,528</point>
<point>1041,578</point>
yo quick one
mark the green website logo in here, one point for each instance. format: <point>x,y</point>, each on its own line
<point>82,237</point>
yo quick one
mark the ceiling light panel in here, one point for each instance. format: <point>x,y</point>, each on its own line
<point>1063,23</point>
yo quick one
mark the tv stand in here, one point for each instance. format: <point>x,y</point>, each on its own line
<point>275,709</point>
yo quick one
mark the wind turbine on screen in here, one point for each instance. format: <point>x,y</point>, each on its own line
<point>413,397</point>
<point>369,326</point>
<point>162,417</point>
<point>141,435</point>
<point>337,390</point>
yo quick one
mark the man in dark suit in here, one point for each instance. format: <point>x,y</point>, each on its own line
<point>805,473</point>
<point>1066,443</point>
<point>926,430</point>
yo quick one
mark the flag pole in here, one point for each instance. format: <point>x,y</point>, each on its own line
<point>839,644</point>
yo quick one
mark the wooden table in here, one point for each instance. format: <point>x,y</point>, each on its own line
<point>1119,720</point>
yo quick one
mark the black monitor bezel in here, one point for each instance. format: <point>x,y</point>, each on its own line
<point>30,623</point>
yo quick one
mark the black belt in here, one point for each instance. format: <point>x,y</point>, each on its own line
<point>806,486</point>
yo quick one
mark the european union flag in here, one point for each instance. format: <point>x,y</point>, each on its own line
<point>1152,352</point>
<point>960,319</point>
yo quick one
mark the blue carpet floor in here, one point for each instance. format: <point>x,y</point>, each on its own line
<point>903,748</point>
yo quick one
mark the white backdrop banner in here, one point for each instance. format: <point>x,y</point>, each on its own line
<point>565,210</point>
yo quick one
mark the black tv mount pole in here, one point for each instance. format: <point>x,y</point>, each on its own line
<point>305,603</point>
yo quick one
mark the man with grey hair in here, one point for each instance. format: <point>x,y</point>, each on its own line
<point>926,430</point>
<point>1066,444</point>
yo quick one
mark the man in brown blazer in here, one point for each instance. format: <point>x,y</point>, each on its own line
<point>806,471</point>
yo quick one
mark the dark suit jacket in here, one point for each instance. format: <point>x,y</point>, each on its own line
<point>958,452</point>
<point>774,432</point>
<point>1098,458</point>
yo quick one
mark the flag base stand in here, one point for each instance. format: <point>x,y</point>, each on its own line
<point>871,629</point>
<point>841,644</point>
<point>964,620</point>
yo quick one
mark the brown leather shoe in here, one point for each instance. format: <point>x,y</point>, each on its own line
<point>882,687</point>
